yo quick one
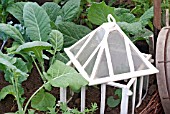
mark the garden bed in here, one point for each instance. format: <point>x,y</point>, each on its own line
<point>62,29</point>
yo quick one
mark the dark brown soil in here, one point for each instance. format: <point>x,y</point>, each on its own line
<point>93,95</point>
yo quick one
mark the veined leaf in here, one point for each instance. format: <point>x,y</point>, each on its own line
<point>52,10</point>
<point>72,32</point>
<point>143,35</point>
<point>144,19</point>
<point>43,100</point>
<point>12,60</point>
<point>98,12</point>
<point>130,28</point>
<point>30,46</point>
<point>111,102</point>
<point>36,47</point>
<point>5,3</point>
<point>119,11</point>
<point>14,46</point>
<point>16,10</point>
<point>11,32</point>
<point>7,90</point>
<point>36,21</point>
<point>62,57</point>
<point>10,90</point>
<point>20,64</point>
<point>70,9</point>
<point>61,75</point>
<point>126,17</point>
<point>11,66</point>
<point>22,67</point>
<point>56,39</point>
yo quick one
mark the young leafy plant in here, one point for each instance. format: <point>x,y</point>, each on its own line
<point>112,102</point>
<point>31,46</point>
<point>135,27</point>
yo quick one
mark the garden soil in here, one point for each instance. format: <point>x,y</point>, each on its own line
<point>92,96</point>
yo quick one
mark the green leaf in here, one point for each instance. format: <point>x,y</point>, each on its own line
<point>13,67</point>
<point>20,64</point>
<point>7,90</point>
<point>70,10</point>
<point>52,10</point>
<point>56,39</point>
<point>98,12</point>
<point>119,11</point>
<point>11,32</point>
<point>62,57</point>
<point>43,100</point>
<point>17,11</point>
<point>36,21</point>
<point>31,111</point>
<point>12,60</point>
<point>147,16</point>
<point>22,67</point>
<point>72,32</point>
<point>61,75</point>
<point>127,17</point>
<point>22,76</point>
<point>36,47</point>
<point>111,102</point>
<point>119,93</point>
<point>10,90</point>
<point>143,35</point>
<point>130,28</point>
<point>6,3</point>
<point>13,48</point>
<point>3,37</point>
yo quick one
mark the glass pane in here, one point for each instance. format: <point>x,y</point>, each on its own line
<point>118,53</point>
<point>90,65</point>
<point>102,70</point>
<point>91,46</point>
<point>138,63</point>
<point>77,47</point>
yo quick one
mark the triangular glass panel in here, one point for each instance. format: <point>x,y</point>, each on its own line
<point>139,64</point>
<point>102,68</point>
<point>91,46</point>
<point>77,47</point>
<point>91,63</point>
<point>118,53</point>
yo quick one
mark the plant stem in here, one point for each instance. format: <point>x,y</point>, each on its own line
<point>14,82</point>
<point>42,76</point>
<point>25,108</point>
<point>4,16</point>
<point>3,44</point>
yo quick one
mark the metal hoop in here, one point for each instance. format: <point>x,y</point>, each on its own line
<point>110,18</point>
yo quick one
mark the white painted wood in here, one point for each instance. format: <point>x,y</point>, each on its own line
<point>124,101</point>
<point>77,64</point>
<point>134,96</point>
<point>63,92</point>
<point>140,91</point>
<point>84,45</point>
<point>103,98</point>
<point>97,62</point>
<point>83,98</point>
<point>109,61</point>
<point>93,79</point>
<point>91,56</point>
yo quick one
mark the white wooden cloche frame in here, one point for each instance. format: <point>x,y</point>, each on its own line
<point>107,54</point>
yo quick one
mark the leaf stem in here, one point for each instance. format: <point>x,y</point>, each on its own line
<point>42,76</point>
<point>25,108</point>
<point>3,44</point>
<point>14,82</point>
